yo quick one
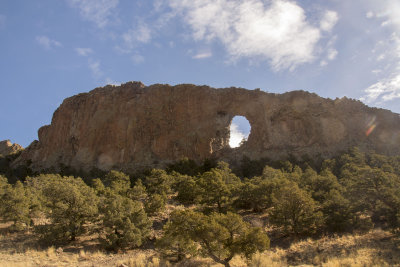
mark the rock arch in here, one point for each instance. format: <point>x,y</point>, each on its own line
<point>134,126</point>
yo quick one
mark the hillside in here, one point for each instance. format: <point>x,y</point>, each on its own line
<point>344,211</point>
<point>133,126</point>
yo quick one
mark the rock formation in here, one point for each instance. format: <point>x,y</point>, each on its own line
<point>133,126</point>
<point>7,148</point>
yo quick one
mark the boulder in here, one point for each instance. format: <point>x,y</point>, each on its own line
<point>7,148</point>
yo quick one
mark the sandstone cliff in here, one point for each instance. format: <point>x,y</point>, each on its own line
<point>133,126</point>
<point>7,148</point>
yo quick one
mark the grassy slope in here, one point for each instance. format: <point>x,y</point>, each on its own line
<point>376,248</point>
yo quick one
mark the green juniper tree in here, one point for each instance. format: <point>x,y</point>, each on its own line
<point>119,182</point>
<point>69,204</point>
<point>154,204</point>
<point>124,220</point>
<point>16,205</point>
<point>295,211</point>
<point>158,182</point>
<point>216,187</point>
<point>220,236</point>
<point>188,191</point>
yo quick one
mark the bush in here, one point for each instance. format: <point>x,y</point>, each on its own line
<point>69,204</point>
<point>119,182</point>
<point>338,214</point>
<point>256,193</point>
<point>216,186</point>
<point>138,192</point>
<point>125,222</point>
<point>187,189</point>
<point>220,236</point>
<point>295,210</point>
<point>155,204</point>
<point>184,166</point>
<point>372,190</point>
<point>4,185</point>
<point>158,182</point>
<point>319,185</point>
<point>15,205</point>
<point>176,243</point>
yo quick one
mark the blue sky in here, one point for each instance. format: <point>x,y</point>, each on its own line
<point>53,49</point>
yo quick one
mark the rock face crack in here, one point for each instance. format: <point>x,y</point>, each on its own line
<point>133,126</point>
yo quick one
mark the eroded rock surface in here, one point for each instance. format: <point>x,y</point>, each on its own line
<point>7,148</point>
<point>133,126</point>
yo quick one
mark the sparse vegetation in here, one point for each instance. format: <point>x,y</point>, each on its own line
<point>124,221</point>
<point>209,214</point>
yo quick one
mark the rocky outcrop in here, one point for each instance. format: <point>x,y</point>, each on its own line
<point>133,126</point>
<point>7,148</point>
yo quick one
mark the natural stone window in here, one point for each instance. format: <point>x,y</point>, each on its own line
<point>239,131</point>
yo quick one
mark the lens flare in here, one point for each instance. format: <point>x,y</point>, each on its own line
<point>370,130</point>
<point>371,126</point>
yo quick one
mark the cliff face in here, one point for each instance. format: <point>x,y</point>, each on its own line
<point>7,148</point>
<point>133,126</point>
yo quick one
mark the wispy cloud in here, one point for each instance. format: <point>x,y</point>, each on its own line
<point>387,86</point>
<point>391,12</point>
<point>137,58</point>
<point>384,90</point>
<point>94,66</point>
<point>329,20</point>
<point>2,21</point>
<point>202,55</point>
<point>138,34</point>
<point>83,51</point>
<point>380,57</point>
<point>101,12</point>
<point>112,82</point>
<point>46,42</point>
<point>278,32</point>
<point>330,53</point>
<point>369,14</point>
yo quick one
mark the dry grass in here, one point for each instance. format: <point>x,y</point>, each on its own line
<point>377,248</point>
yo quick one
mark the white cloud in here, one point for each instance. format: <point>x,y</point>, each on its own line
<point>236,136</point>
<point>110,81</point>
<point>384,90</point>
<point>388,12</point>
<point>329,20</point>
<point>387,87</point>
<point>380,57</point>
<point>139,34</point>
<point>332,53</point>
<point>158,4</point>
<point>376,71</point>
<point>202,55</point>
<point>94,66</point>
<point>2,21</point>
<point>46,42</point>
<point>97,11</point>
<point>83,51</point>
<point>137,58</point>
<point>277,31</point>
